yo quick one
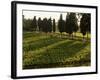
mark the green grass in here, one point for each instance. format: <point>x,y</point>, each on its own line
<point>42,50</point>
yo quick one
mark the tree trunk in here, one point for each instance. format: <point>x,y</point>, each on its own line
<point>66,35</point>
<point>69,36</point>
<point>75,34</point>
<point>84,39</point>
<point>61,35</point>
<point>87,35</point>
<point>72,36</point>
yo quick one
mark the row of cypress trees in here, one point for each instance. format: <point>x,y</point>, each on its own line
<point>45,25</point>
<point>70,25</point>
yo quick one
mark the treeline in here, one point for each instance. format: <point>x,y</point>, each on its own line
<point>45,25</point>
<point>70,25</point>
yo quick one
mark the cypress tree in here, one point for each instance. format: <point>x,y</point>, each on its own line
<point>45,25</point>
<point>67,23</point>
<point>61,25</point>
<point>34,23</point>
<point>40,24</point>
<point>85,24</point>
<point>71,23</point>
<point>88,24</point>
<point>49,25</point>
<point>75,24</point>
<point>54,25</point>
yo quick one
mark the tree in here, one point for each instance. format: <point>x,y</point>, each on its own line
<point>85,24</point>
<point>27,25</point>
<point>45,24</point>
<point>61,25</point>
<point>34,23</point>
<point>67,25</point>
<point>88,24</point>
<point>75,23</point>
<point>40,24</point>
<point>49,29</point>
<point>54,25</point>
<point>71,23</point>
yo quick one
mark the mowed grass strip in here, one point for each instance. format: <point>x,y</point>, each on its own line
<point>32,39</point>
<point>31,34</point>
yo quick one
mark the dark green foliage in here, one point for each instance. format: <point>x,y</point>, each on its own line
<point>34,23</point>
<point>61,24</point>
<point>45,25</point>
<point>67,23</point>
<point>54,25</point>
<point>88,23</point>
<point>85,24</point>
<point>71,23</point>
<point>49,26</point>
<point>40,24</point>
<point>75,25</point>
<point>27,25</point>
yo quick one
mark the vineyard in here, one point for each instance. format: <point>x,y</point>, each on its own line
<point>47,50</point>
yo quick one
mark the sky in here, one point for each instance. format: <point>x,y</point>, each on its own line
<point>54,15</point>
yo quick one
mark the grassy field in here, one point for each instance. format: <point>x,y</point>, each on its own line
<point>42,50</point>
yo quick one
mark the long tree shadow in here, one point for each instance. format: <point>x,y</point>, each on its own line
<point>33,45</point>
<point>77,38</point>
<point>53,56</point>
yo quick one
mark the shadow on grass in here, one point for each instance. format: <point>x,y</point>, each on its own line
<point>33,45</point>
